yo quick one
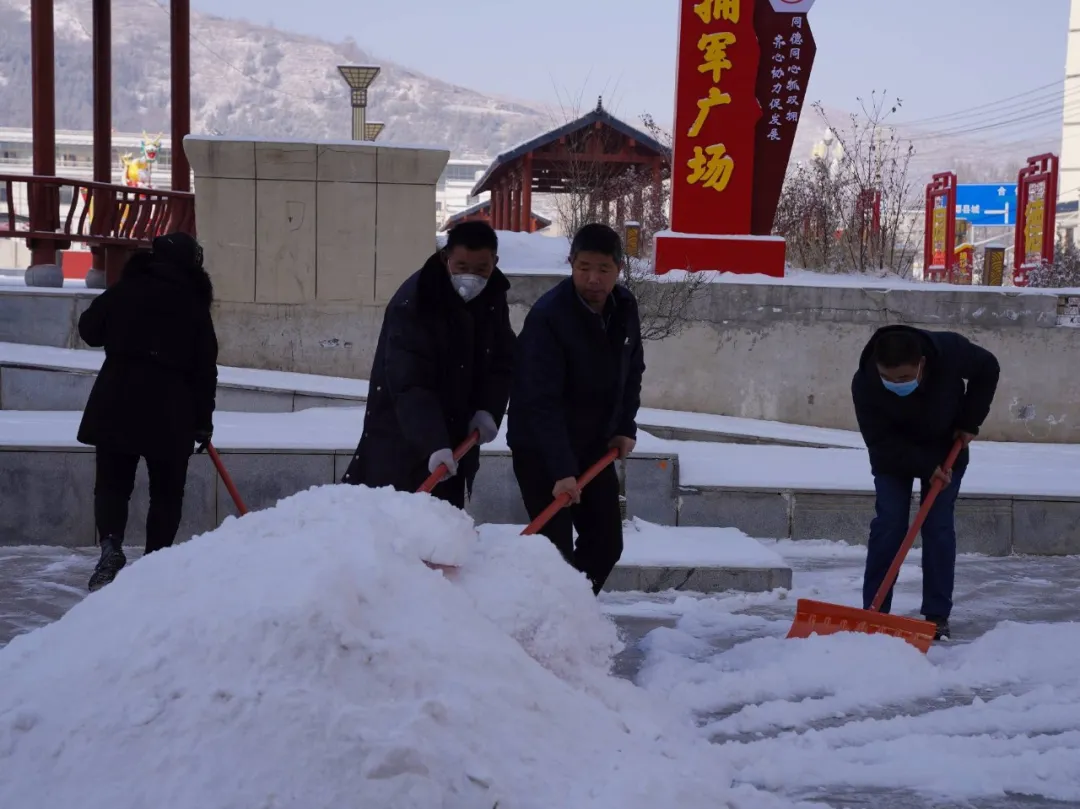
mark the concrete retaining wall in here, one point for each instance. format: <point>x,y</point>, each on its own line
<point>774,352</point>
<point>48,495</point>
<point>996,526</point>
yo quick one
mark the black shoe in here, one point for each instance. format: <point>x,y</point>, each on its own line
<point>112,561</point>
<point>943,632</point>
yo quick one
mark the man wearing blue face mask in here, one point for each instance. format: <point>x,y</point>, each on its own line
<point>442,369</point>
<point>915,393</point>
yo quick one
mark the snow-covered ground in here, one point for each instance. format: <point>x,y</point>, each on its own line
<point>382,667</point>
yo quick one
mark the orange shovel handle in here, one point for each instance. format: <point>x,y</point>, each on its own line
<point>913,531</point>
<point>226,479</point>
<point>435,477</point>
<point>560,502</point>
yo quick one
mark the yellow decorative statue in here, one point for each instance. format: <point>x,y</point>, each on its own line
<point>138,171</point>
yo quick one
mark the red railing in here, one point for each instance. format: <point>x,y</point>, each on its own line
<point>94,213</point>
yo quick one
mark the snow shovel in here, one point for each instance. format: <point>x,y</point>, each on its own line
<point>820,618</point>
<point>226,479</point>
<point>436,477</point>
<point>561,502</point>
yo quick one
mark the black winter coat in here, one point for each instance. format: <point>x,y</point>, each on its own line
<point>909,436</point>
<point>577,378</point>
<point>438,361</point>
<point>158,383</point>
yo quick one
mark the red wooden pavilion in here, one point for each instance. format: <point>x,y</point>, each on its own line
<point>123,220</point>
<point>482,211</point>
<point>586,156</point>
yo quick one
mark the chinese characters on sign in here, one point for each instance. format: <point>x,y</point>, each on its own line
<point>785,101</point>
<point>716,115</point>
<point>941,222</point>
<point>787,56</point>
<point>725,184</point>
<point>711,165</point>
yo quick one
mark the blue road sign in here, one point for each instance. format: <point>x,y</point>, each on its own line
<point>983,205</point>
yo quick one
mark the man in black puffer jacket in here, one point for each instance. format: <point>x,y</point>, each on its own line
<point>442,369</point>
<point>155,394</point>
<point>577,390</point>
<point>912,403</point>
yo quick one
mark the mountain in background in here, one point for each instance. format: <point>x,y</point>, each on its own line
<point>255,80</point>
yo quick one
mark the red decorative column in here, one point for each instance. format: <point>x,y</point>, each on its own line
<point>103,162</point>
<point>525,221</point>
<point>44,200</point>
<point>180,47</point>
<point>504,204</point>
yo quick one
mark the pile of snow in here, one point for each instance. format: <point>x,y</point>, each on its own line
<point>303,656</point>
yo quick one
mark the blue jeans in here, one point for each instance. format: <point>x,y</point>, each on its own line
<point>887,531</point>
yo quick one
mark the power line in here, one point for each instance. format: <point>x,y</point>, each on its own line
<point>963,112</point>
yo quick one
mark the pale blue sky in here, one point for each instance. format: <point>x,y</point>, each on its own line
<point>556,50</point>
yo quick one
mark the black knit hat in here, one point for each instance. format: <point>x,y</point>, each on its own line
<point>179,249</point>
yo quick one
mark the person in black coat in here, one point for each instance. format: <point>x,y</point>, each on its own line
<point>442,369</point>
<point>912,404</point>
<point>154,396</point>
<point>576,394</point>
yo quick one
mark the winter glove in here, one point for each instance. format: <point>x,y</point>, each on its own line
<point>445,457</point>
<point>484,424</point>
<point>202,439</point>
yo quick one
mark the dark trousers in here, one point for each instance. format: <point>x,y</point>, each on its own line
<point>597,517</point>
<point>112,492</point>
<point>452,490</point>
<point>887,531</point>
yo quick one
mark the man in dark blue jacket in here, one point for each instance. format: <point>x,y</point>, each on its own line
<point>912,403</point>
<point>576,393</point>
<point>442,369</point>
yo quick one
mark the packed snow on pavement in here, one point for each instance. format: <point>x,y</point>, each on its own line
<point>304,656</point>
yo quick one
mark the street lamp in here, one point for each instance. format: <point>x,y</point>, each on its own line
<point>372,130</point>
<point>359,78</point>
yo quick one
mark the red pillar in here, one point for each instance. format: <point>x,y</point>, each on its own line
<point>102,26</point>
<point>494,218</point>
<point>515,210</point>
<point>504,205</point>
<point>180,46</point>
<point>103,161</point>
<point>526,194</point>
<point>44,202</point>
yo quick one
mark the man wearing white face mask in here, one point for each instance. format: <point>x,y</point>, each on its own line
<point>442,369</point>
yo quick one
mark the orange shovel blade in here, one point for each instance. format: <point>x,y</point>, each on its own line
<point>819,618</point>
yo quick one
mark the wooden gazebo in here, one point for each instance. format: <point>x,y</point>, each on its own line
<point>481,211</point>
<point>589,156</point>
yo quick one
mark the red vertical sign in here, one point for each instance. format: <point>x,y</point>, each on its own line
<point>939,247</point>
<point>716,114</point>
<point>787,57</point>
<point>1036,216</point>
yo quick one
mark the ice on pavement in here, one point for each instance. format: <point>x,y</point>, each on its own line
<point>303,656</point>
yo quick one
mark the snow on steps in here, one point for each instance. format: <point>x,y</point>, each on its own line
<point>44,378</point>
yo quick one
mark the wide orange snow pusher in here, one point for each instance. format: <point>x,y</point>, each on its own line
<point>821,618</point>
